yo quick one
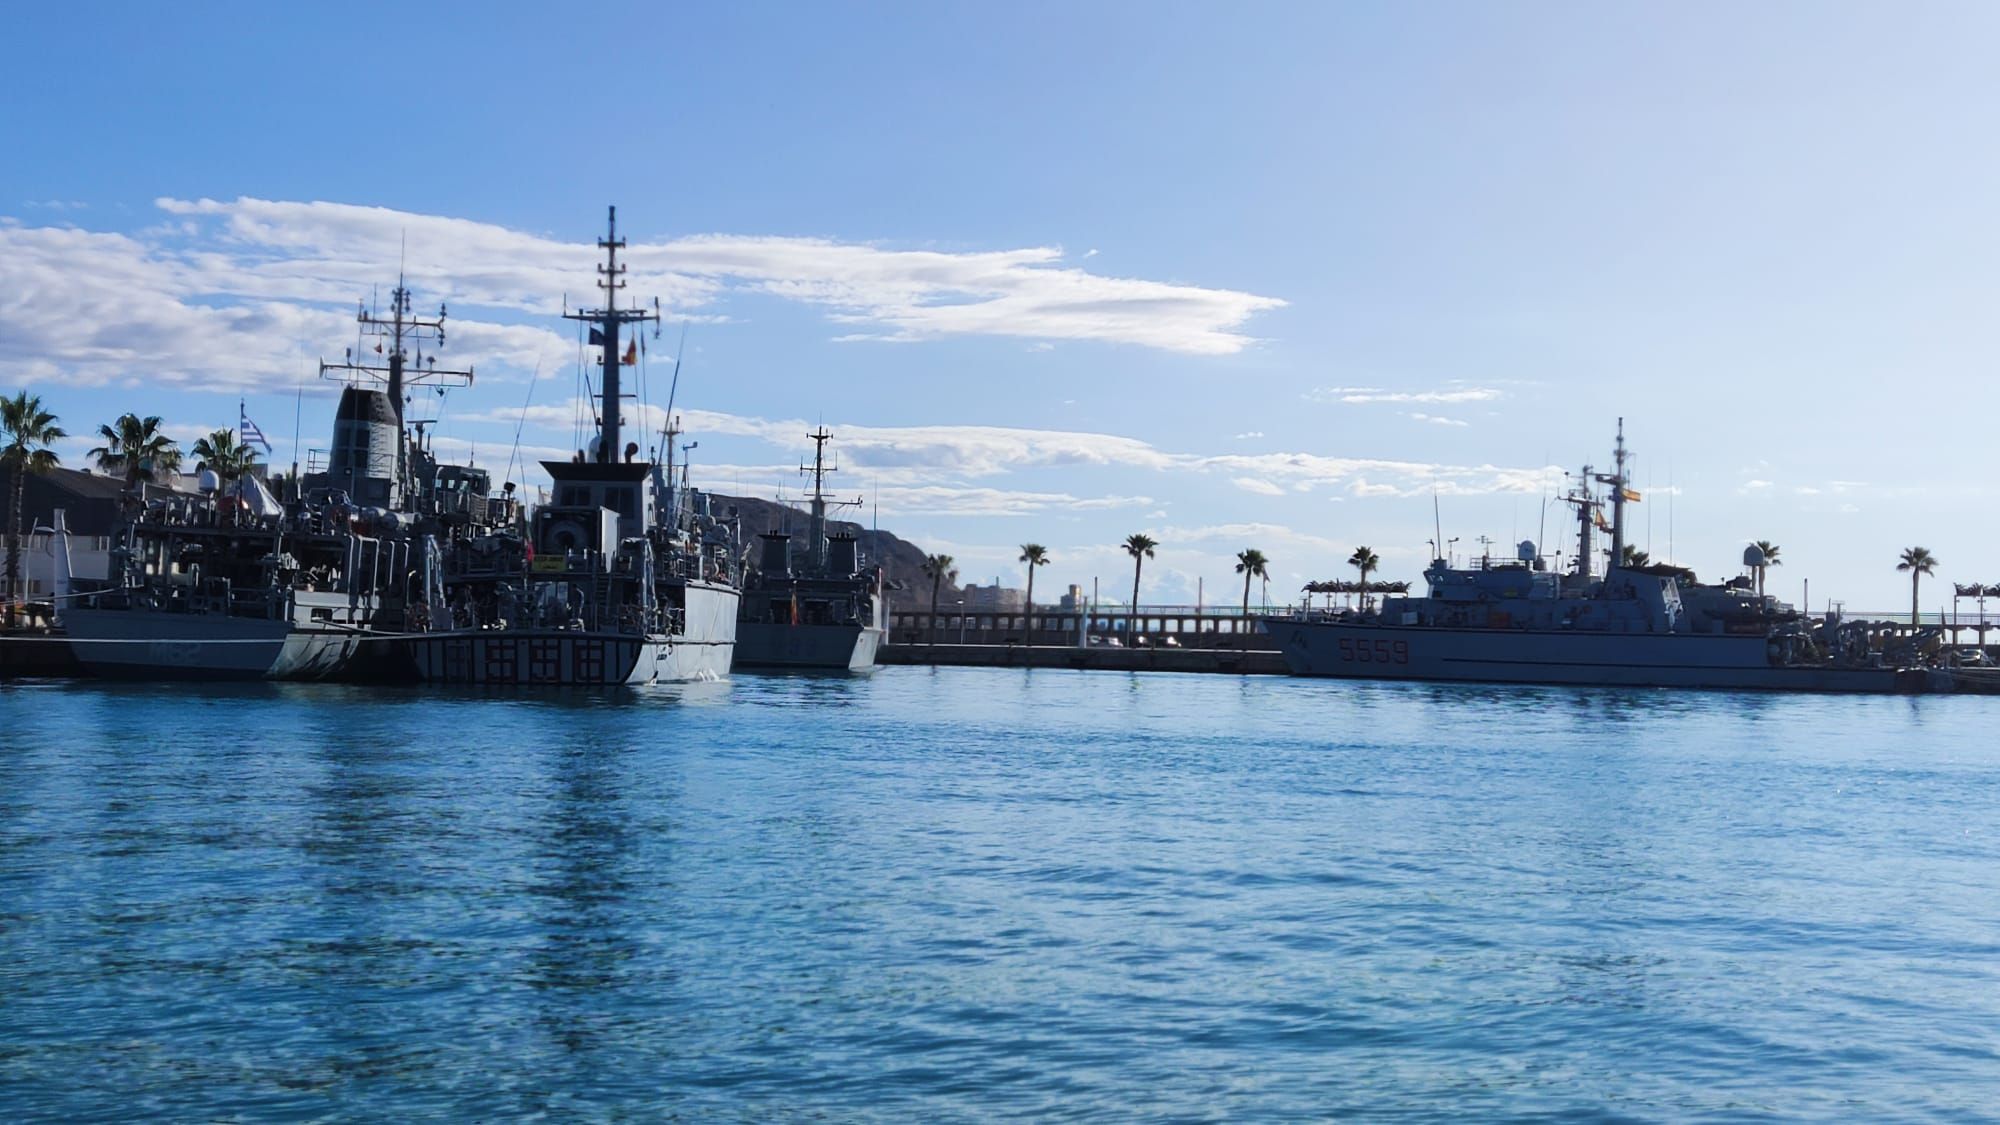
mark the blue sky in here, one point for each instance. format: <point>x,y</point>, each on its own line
<point>1257,275</point>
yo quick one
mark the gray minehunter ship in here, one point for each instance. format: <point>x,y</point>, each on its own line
<point>812,605</point>
<point>229,583</point>
<point>623,579</point>
<point>1516,622</point>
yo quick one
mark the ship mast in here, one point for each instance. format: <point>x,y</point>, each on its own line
<point>819,470</point>
<point>1586,510</point>
<point>401,338</point>
<point>1619,494</point>
<point>605,324</point>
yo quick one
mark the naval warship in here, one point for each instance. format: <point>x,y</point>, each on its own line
<point>229,582</point>
<point>1519,622</point>
<point>213,585</point>
<point>625,578</point>
<point>812,604</point>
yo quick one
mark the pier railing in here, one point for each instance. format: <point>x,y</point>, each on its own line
<point>1169,626</point>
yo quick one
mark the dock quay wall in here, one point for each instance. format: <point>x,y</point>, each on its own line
<point>1225,661</point>
<point>1188,627</point>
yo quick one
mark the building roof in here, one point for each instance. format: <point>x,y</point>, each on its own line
<point>90,499</point>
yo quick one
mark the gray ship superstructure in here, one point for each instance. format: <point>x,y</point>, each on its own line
<point>623,578</point>
<point>1517,622</point>
<point>812,604</point>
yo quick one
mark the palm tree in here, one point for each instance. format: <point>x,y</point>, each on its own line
<point>941,569</point>
<point>1770,550</point>
<point>1034,554</point>
<point>1634,557</point>
<point>1251,563</point>
<point>1140,547</point>
<point>28,430</point>
<point>135,449</point>
<point>1365,561</point>
<point>1918,561</point>
<point>222,452</point>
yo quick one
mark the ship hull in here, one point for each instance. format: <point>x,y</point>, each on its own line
<point>565,657</point>
<point>827,647</point>
<point>1359,650</point>
<point>136,644</point>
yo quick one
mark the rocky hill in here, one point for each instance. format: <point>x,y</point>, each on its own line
<point>903,560</point>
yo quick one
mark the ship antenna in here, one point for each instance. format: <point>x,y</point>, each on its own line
<point>522,421</point>
<point>1542,532</point>
<point>1437,518</point>
<point>673,388</point>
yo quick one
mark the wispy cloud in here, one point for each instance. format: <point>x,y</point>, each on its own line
<point>237,294</point>
<point>909,454</point>
<point>1359,395</point>
<point>1258,485</point>
<point>1435,419</point>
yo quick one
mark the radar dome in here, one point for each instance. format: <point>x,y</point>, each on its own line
<point>1753,556</point>
<point>1525,551</point>
<point>208,481</point>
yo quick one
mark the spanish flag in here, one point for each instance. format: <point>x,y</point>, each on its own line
<point>631,353</point>
<point>1631,495</point>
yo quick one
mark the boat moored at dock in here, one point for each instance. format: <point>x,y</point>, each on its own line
<point>625,578</point>
<point>1633,625</point>
<point>812,603</point>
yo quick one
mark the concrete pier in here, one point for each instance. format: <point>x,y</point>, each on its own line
<point>1186,626</point>
<point>36,652</point>
<point>1225,661</point>
<point>1151,639</point>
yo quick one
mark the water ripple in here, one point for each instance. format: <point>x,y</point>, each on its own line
<point>978,894</point>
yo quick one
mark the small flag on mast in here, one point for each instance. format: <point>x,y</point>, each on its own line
<point>631,354</point>
<point>249,432</point>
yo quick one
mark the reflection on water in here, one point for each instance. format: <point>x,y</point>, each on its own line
<point>973,893</point>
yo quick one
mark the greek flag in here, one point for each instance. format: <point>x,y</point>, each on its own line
<point>249,432</point>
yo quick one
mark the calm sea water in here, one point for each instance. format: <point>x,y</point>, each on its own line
<point>973,894</point>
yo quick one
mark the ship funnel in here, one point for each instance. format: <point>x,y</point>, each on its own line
<point>365,438</point>
<point>843,556</point>
<point>777,557</point>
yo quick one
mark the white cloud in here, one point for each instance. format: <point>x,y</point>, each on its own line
<point>910,454</point>
<point>899,294</point>
<point>1357,395</point>
<point>1435,420</point>
<point>1248,434</point>
<point>244,294</point>
<point>1257,485</point>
